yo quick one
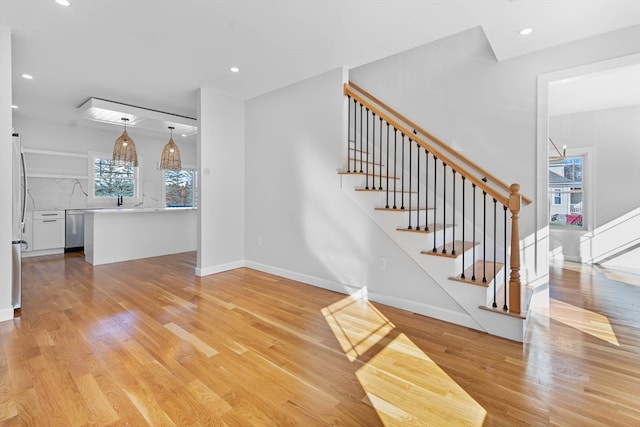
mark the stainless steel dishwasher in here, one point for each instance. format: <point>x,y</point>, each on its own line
<point>74,230</point>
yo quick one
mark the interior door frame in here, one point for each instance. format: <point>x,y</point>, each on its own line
<point>542,161</point>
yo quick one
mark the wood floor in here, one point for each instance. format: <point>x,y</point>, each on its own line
<point>148,343</point>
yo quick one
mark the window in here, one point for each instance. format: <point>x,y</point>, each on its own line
<point>180,188</point>
<point>110,180</point>
<point>566,192</point>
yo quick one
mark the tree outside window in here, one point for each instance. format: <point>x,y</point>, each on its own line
<point>113,180</point>
<point>180,188</point>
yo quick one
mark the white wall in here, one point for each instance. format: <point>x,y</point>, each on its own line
<point>299,222</point>
<point>221,156</point>
<point>613,135</point>
<point>6,309</point>
<point>56,193</point>
<point>457,90</point>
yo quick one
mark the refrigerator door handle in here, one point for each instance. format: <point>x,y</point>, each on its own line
<point>24,190</point>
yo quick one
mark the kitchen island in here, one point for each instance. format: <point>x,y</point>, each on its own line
<point>114,235</point>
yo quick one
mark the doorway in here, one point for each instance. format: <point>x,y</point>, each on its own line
<point>590,113</point>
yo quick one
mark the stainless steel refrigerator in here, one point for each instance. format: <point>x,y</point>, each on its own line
<point>19,210</point>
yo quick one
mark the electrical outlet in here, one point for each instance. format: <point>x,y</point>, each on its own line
<point>382,263</point>
<point>259,242</point>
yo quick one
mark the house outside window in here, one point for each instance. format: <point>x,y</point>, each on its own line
<point>180,188</point>
<point>566,192</point>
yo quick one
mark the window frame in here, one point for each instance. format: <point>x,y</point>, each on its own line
<point>92,199</point>
<point>163,184</point>
<point>588,191</point>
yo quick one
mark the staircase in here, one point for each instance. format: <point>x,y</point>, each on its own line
<point>447,214</point>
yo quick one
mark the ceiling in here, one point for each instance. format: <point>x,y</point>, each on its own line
<point>157,53</point>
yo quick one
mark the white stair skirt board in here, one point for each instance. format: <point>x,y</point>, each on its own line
<point>438,268</point>
<point>363,293</point>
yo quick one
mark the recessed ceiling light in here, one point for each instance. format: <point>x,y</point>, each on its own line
<point>14,106</point>
<point>27,76</point>
<point>234,69</point>
<point>184,135</point>
<point>63,2</point>
<point>525,31</point>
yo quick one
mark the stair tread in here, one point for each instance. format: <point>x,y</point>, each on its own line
<point>423,230</point>
<point>382,190</point>
<point>479,268</point>
<point>377,175</point>
<point>459,246</point>
<point>397,209</point>
<point>499,310</point>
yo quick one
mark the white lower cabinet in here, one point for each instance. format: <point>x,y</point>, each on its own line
<point>48,230</point>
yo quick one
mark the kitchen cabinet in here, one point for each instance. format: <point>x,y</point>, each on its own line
<point>48,230</point>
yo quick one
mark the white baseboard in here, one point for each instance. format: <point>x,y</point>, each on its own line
<point>401,303</point>
<point>458,318</point>
<point>6,314</point>
<point>304,278</point>
<point>205,271</point>
<point>29,254</point>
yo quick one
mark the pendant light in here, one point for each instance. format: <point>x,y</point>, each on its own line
<point>170,158</point>
<point>124,150</point>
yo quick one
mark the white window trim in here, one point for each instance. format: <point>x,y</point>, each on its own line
<point>92,200</point>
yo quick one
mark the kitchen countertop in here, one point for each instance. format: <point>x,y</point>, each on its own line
<point>133,210</point>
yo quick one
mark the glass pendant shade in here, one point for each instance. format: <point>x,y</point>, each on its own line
<point>124,150</point>
<point>170,158</point>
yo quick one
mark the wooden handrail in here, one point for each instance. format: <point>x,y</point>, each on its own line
<point>513,200</point>
<point>439,142</point>
<point>437,153</point>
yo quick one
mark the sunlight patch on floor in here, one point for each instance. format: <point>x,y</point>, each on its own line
<point>401,382</point>
<point>628,276</point>
<point>587,321</point>
<point>357,325</point>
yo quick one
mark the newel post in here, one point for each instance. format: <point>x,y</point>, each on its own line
<point>515,201</point>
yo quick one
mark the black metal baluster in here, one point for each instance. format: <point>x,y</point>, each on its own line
<point>444,208</point>
<point>453,215</point>
<point>426,190</point>
<point>361,138</point>
<point>395,165</point>
<point>348,133</point>
<point>380,168</point>
<point>435,181</point>
<point>387,205</point>
<point>373,151</point>
<point>495,244</point>
<point>484,236</point>
<point>366,174</point>
<point>463,221</point>
<point>418,191</point>
<point>355,135</point>
<point>504,267</point>
<point>402,183</point>
<point>473,274</point>
<point>410,179</point>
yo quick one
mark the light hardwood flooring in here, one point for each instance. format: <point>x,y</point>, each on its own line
<point>147,343</point>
